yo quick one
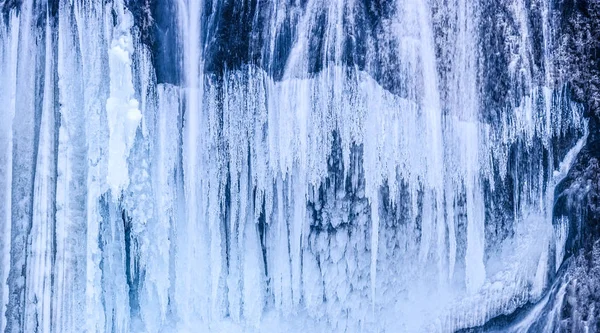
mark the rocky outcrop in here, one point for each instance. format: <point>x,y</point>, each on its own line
<point>578,60</point>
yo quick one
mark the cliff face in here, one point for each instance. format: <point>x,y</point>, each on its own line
<point>578,197</point>
<point>578,64</point>
<point>572,303</point>
<point>578,47</point>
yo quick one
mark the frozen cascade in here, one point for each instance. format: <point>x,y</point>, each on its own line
<point>345,172</point>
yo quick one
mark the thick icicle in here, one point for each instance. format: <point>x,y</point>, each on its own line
<point>122,110</point>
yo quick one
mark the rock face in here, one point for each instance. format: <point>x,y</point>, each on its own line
<point>577,199</point>
<point>578,196</point>
<point>578,47</point>
<point>572,303</point>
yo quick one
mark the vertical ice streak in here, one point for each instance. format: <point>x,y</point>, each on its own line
<point>38,287</point>
<point>465,106</point>
<point>475,269</point>
<point>25,128</point>
<point>157,276</point>
<point>192,237</point>
<point>91,39</point>
<point>8,68</point>
<point>71,190</point>
<point>432,112</point>
<point>89,24</point>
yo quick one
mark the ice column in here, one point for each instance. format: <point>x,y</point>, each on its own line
<point>121,108</point>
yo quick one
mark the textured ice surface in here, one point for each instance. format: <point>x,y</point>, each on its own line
<point>350,180</point>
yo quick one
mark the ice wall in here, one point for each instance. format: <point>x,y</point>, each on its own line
<point>346,173</point>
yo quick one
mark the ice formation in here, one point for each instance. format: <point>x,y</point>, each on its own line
<point>350,176</point>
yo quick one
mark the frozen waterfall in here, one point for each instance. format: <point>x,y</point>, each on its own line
<point>280,165</point>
